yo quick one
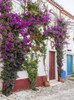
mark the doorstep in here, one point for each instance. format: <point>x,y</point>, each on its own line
<point>68,76</point>
<point>71,77</point>
<point>54,82</point>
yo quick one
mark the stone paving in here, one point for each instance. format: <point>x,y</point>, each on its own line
<point>62,91</point>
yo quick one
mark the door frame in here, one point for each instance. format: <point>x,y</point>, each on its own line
<point>72,62</point>
<point>56,70</point>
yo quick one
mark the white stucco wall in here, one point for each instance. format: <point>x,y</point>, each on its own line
<point>70,45</point>
<point>17,7</point>
<point>70,41</point>
<point>41,69</point>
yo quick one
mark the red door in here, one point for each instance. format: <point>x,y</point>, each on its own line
<point>51,65</point>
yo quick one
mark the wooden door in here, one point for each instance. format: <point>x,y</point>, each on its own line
<point>69,64</point>
<point>51,65</point>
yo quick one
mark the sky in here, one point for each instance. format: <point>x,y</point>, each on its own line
<point>68,5</point>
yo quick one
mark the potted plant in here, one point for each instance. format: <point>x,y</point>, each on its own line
<point>60,79</point>
<point>46,83</point>
<point>62,76</point>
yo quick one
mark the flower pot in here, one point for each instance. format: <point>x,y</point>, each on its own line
<point>62,80</point>
<point>68,37</point>
<point>46,83</point>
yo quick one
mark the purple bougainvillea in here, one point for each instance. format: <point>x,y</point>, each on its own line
<point>59,33</point>
<point>5,6</point>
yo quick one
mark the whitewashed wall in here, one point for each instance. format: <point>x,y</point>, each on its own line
<point>1,65</point>
<point>70,46</point>
<point>17,7</point>
<point>70,41</point>
<point>42,71</point>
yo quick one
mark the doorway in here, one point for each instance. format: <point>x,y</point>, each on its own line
<point>69,64</point>
<point>51,65</point>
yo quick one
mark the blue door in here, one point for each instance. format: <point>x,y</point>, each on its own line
<point>69,64</point>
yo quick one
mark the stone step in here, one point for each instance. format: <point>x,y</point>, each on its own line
<point>71,78</point>
<point>72,75</point>
<point>54,82</point>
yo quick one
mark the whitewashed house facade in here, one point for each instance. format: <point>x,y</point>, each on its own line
<point>22,81</point>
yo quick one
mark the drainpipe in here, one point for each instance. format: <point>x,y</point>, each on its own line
<point>60,14</point>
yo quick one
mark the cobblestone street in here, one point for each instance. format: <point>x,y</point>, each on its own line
<point>62,91</point>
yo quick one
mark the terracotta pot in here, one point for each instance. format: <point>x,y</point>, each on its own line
<point>61,80</point>
<point>46,83</point>
<point>68,37</point>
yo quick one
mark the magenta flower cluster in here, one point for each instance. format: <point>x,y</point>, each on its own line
<point>5,5</point>
<point>34,23</point>
<point>59,34</point>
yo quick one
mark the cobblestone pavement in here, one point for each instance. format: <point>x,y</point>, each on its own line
<point>62,91</point>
